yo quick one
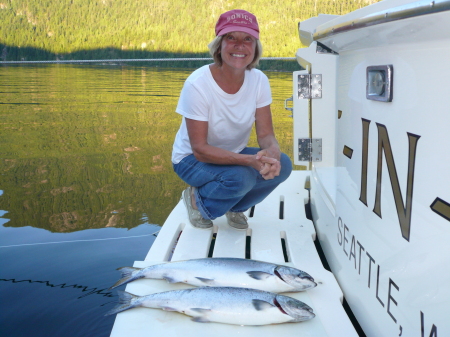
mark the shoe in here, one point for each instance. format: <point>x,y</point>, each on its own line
<point>194,215</point>
<point>237,220</point>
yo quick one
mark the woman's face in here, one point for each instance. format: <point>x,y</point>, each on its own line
<point>238,50</point>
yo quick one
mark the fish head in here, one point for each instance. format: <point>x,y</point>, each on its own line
<point>296,278</point>
<point>298,310</point>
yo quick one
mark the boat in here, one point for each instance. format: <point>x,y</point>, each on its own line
<point>370,217</point>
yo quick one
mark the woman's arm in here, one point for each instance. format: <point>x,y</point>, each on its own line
<point>265,134</point>
<point>267,142</point>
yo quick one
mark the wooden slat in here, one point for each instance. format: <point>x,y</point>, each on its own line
<point>229,242</point>
<point>161,249</point>
<point>193,244</point>
<point>266,244</point>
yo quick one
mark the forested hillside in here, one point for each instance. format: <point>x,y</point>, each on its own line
<point>83,29</point>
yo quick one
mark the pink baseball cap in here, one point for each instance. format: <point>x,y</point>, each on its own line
<point>237,20</point>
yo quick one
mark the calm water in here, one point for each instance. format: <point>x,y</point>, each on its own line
<point>86,180</point>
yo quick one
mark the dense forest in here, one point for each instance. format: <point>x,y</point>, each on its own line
<point>108,29</point>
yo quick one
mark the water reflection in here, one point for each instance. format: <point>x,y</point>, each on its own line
<point>89,146</point>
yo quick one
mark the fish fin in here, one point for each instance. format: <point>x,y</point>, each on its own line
<point>261,305</point>
<point>201,310</point>
<point>200,319</point>
<point>205,280</point>
<point>258,275</point>
<point>125,302</point>
<point>169,279</point>
<point>127,276</point>
<point>168,309</point>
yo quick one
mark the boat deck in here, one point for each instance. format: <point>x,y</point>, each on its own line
<point>279,232</point>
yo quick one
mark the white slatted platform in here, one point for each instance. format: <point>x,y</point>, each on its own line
<point>266,230</point>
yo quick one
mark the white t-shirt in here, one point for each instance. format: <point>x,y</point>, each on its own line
<point>230,117</point>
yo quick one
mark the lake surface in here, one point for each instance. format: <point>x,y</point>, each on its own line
<point>86,181</point>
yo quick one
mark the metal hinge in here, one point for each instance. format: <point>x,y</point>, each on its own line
<point>309,86</point>
<point>310,149</point>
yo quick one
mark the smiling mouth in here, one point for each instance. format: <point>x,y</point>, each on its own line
<point>238,55</point>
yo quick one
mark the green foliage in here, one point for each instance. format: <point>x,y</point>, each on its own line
<point>106,29</point>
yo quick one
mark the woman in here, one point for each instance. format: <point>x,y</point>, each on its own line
<point>219,104</point>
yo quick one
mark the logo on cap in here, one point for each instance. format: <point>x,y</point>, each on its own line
<point>240,16</point>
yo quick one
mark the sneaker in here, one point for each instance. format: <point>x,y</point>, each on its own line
<point>237,220</point>
<point>194,215</point>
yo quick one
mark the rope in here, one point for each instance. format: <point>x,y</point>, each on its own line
<point>90,240</point>
<point>134,60</point>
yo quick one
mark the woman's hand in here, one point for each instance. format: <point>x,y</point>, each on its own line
<point>270,165</point>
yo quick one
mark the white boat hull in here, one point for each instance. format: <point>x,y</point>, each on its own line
<point>380,196</point>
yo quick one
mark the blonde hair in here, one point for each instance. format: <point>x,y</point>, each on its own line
<point>214,49</point>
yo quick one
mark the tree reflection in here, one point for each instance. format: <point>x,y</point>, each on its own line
<point>90,146</point>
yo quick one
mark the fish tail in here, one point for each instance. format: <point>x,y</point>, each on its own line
<point>125,302</point>
<point>128,274</point>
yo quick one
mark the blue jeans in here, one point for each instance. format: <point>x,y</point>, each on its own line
<point>223,188</point>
